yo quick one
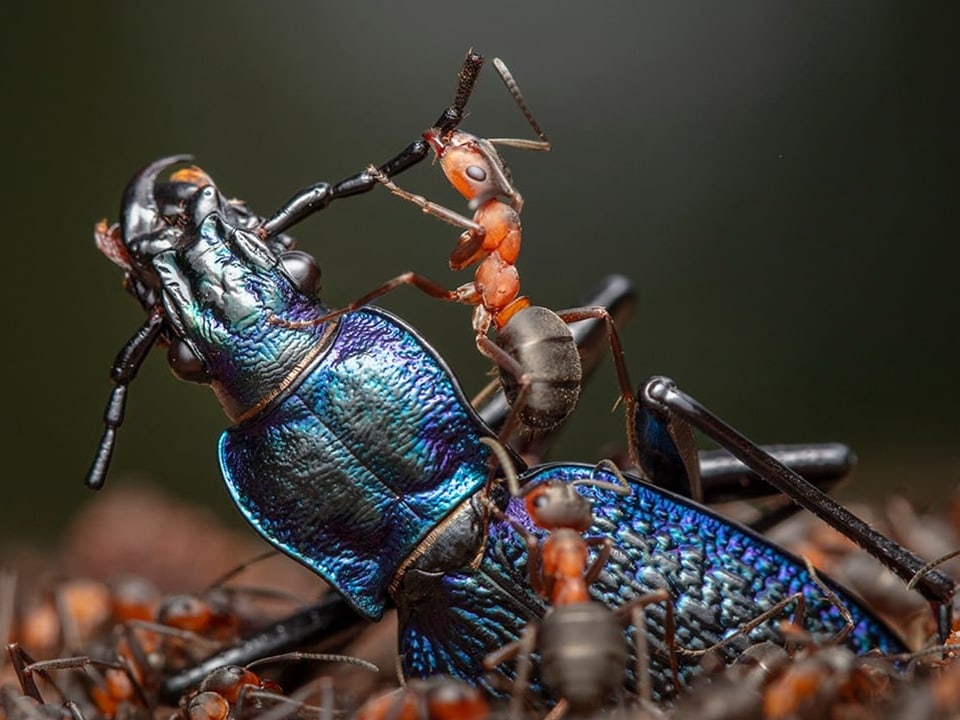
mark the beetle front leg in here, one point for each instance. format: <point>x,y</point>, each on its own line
<point>318,196</point>
<point>124,370</point>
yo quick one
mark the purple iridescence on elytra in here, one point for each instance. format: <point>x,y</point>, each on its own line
<point>720,574</point>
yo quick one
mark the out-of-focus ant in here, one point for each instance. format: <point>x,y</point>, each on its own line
<point>230,690</point>
<point>436,698</point>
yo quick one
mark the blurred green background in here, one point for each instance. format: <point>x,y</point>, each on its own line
<point>779,179</point>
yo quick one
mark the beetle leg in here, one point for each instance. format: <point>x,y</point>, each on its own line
<point>330,617</point>
<point>123,372</point>
<point>671,405</point>
<point>317,197</point>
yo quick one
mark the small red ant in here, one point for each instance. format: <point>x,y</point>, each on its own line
<point>580,641</point>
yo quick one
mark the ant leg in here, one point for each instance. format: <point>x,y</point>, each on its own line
<point>616,293</point>
<point>661,396</point>
<point>558,711</point>
<point>616,350</point>
<point>798,620</point>
<point>521,649</point>
<point>603,554</point>
<point>605,543</point>
<point>534,549</point>
<point>421,282</point>
<point>524,380</point>
<point>929,566</point>
<point>598,312</point>
<point>752,624</point>
<point>79,662</point>
<point>316,197</point>
<point>20,660</point>
<point>430,208</point>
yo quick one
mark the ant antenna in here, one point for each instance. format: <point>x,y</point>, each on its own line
<point>543,144</point>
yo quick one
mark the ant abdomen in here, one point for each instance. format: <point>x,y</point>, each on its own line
<point>544,347</point>
<point>583,653</point>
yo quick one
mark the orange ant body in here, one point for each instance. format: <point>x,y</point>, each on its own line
<point>492,237</point>
<point>559,565</point>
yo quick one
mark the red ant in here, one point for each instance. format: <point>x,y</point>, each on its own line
<point>580,641</point>
<point>540,367</point>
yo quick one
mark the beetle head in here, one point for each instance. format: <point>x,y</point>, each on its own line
<point>194,254</point>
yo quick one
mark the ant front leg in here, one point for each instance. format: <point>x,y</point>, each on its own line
<point>605,545</point>
<point>428,207</point>
<point>634,612</point>
<point>662,400</point>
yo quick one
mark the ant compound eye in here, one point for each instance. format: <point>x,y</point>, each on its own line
<point>476,173</point>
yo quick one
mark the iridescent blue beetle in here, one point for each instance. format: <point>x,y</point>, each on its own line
<point>355,452</point>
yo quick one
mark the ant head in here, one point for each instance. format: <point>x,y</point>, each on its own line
<point>553,505</point>
<point>473,166</point>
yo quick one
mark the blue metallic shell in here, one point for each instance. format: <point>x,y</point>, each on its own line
<point>720,574</point>
<point>357,454</point>
<point>327,480</point>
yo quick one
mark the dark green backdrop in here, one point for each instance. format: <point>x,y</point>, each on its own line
<point>779,179</point>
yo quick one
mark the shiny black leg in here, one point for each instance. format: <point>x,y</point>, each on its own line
<point>316,197</point>
<point>123,372</point>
